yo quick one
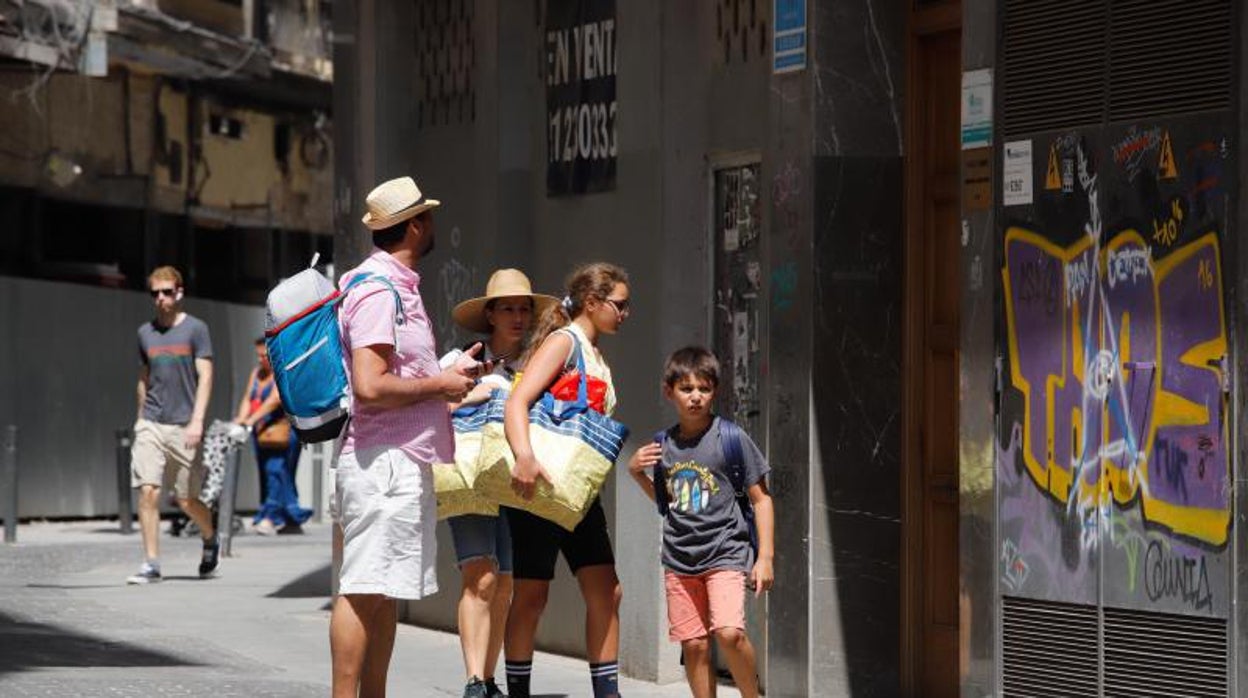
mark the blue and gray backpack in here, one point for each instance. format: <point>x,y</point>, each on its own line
<point>301,332</point>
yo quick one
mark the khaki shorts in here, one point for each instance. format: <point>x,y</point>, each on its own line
<point>159,445</point>
<point>384,502</point>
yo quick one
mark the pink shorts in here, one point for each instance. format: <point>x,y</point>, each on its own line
<point>698,605</point>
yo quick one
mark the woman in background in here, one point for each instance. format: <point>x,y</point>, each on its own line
<point>277,450</point>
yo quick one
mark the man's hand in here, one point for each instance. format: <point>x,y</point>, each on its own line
<point>460,377</point>
<point>645,457</point>
<point>194,433</point>
<point>455,385</point>
<point>762,577</point>
<point>525,475</point>
<point>466,363</point>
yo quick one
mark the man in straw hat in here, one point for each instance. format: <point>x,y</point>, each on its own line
<point>383,500</point>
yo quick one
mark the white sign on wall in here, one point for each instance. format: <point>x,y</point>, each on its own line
<point>1016,184</point>
<point>976,108</point>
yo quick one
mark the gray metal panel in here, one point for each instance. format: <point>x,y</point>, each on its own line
<point>69,363</point>
<point>1237,301</point>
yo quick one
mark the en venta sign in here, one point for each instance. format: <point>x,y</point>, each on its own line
<point>580,96</point>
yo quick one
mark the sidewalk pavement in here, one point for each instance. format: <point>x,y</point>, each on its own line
<point>70,626</point>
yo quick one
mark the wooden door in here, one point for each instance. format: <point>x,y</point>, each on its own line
<point>932,298</point>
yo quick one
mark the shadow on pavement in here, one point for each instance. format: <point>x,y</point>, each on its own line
<point>313,585</point>
<point>27,646</point>
<point>71,586</point>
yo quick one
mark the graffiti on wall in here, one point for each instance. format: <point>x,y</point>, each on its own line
<point>1116,339</point>
<point>1119,359</point>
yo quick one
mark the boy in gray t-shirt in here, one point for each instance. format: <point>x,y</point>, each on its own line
<point>707,553</point>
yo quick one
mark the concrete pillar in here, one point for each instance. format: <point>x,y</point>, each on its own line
<point>977,355</point>
<point>835,257</point>
<point>374,106</point>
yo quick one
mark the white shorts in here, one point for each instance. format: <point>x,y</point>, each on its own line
<point>385,504</point>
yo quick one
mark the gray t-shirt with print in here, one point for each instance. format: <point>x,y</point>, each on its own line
<point>705,529</point>
<point>169,354</point>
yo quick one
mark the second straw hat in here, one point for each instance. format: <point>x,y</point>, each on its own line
<point>503,283</point>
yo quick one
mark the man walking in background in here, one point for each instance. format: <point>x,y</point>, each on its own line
<point>175,383</point>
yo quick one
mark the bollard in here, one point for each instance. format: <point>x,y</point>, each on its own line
<point>125,508</point>
<point>9,479</point>
<point>225,507</point>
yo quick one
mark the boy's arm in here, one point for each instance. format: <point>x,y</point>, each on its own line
<point>763,574</point>
<point>645,457</point>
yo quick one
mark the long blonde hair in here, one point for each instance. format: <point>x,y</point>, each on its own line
<point>590,281</point>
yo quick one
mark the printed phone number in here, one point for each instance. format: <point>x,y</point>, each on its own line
<point>582,131</point>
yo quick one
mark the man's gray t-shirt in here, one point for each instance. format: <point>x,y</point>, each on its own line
<point>169,354</point>
<point>704,528</point>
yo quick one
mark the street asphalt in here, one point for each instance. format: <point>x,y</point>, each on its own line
<point>70,626</point>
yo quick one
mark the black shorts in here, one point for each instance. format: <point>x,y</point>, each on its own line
<point>536,543</point>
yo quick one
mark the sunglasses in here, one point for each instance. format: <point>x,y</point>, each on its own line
<point>158,292</point>
<point>621,306</point>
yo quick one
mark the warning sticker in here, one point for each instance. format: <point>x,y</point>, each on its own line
<point>1165,165</point>
<point>1053,180</point>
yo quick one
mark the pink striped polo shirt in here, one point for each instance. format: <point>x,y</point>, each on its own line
<point>367,317</point>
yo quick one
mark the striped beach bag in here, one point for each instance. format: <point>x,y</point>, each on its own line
<point>575,443</point>
<point>453,482</point>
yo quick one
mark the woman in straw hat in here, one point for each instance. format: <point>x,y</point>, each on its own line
<point>483,543</point>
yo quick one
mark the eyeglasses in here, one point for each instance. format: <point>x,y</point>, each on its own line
<point>158,292</point>
<point>621,306</point>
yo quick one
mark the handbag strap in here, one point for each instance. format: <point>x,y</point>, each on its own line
<point>582,386</point>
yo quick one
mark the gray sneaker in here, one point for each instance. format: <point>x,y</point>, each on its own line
<point>475,689</point>
<point>147,574</point>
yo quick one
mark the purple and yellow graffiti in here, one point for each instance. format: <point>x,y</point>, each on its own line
<point>1120,360</point>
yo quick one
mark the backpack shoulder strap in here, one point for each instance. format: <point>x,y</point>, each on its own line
<point>399,317</point>
<point>730,442</point>
<point>370,276</point>
<point>660,477</point>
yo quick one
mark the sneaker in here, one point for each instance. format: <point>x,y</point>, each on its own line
<point>475,689</point>
<point>147,574</point>
<point>211,556</point>
<point>492,690</point>
<point>264,528</point>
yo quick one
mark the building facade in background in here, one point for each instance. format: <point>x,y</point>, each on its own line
<point>973,269</point>
<point>140,133</point>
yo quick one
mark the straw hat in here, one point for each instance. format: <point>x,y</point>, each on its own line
<point>505,282</point>
<point>395,201</point>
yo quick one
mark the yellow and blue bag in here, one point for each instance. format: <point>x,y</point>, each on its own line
<point>453,482</point>
<point>574,443</point>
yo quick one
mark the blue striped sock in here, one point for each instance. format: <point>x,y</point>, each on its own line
<point>518,675</point>
<point>606,679</point>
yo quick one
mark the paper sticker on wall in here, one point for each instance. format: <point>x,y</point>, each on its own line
<point>1016,184</point>
<point>1053,180</point>
<point>1165,165</point>
<point>740,335</point>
